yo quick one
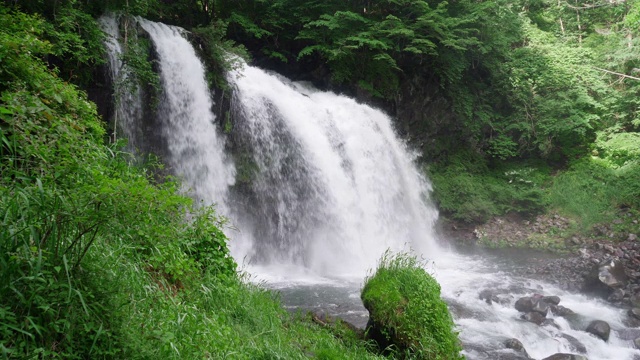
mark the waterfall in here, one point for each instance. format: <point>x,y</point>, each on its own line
<point>128,110</point>
<point>333,187</point>
<point>321,183</point>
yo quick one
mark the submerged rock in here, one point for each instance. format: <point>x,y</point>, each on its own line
<point>575,344</point>
<point>563,356</point>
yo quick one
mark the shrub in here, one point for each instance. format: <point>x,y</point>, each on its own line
<point>407,312</point>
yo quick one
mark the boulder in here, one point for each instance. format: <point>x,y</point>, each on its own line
<point>600,329</point>
<point>562,356</point>
<point>606,277</point>
<point>540,306</point>
<point>611,273</point>
<point>524,304</point>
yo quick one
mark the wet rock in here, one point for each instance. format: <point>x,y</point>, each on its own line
<point>540,307</point>
<point>616,296</point>
<point>524,304</point>
<point>635,312</point>
<point>562,356</point>
<point>628,334</point>
<point>636,343</point>
<point>534,317</point>
<point>606,277</point>
<point>516,345</point>
<point>551,300</point>
<point>560,310</point>
<point>600,329</point>
<point>575,344</point>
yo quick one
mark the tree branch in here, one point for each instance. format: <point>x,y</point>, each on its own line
<point>617,73</point>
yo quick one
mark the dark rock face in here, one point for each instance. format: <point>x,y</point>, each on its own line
<point>600,329</point>
<point>562,356</point>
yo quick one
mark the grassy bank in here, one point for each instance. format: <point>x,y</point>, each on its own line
<point>600,189</point>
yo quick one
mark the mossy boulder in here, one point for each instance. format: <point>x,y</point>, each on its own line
<point>407,316</point>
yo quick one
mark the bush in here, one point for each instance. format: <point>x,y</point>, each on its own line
<point>406,311</point>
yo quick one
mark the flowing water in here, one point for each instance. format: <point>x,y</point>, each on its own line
<point>322,186</point>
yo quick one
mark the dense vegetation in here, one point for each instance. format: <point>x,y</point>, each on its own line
<point>407,316</point>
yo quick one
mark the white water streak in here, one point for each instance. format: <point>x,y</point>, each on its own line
<point>196,151</point>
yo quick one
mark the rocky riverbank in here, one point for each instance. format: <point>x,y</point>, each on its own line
<point>584,263</point>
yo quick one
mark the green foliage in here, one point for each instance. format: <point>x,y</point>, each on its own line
<point>593,190</point>
<point>465,189</point>
<point>220,55</point>
<point>136,57</point>
<point>619,148</point>
<point>75,36</point>
<point>405,300</point>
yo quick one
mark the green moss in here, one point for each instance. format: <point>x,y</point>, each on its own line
<point>405,306</point>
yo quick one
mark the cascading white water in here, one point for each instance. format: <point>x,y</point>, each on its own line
<point>195,151</point>
<point>337,186</point>
<point>325,185</point>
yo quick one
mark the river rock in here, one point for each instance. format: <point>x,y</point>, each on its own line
<point>534,317</point>
<point>612,274</point>
<point>516,345</point>
<point>606,277</point>
<point>616,296</point>
<point>540,306</point>
<point>551,300</point>
<point>628,334</point>
<point>600,329</point>
<point>635,312</point>
<point>575,344</point>
<point>562,356</point>
<point>524,304</point>
<point>560,310</point>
